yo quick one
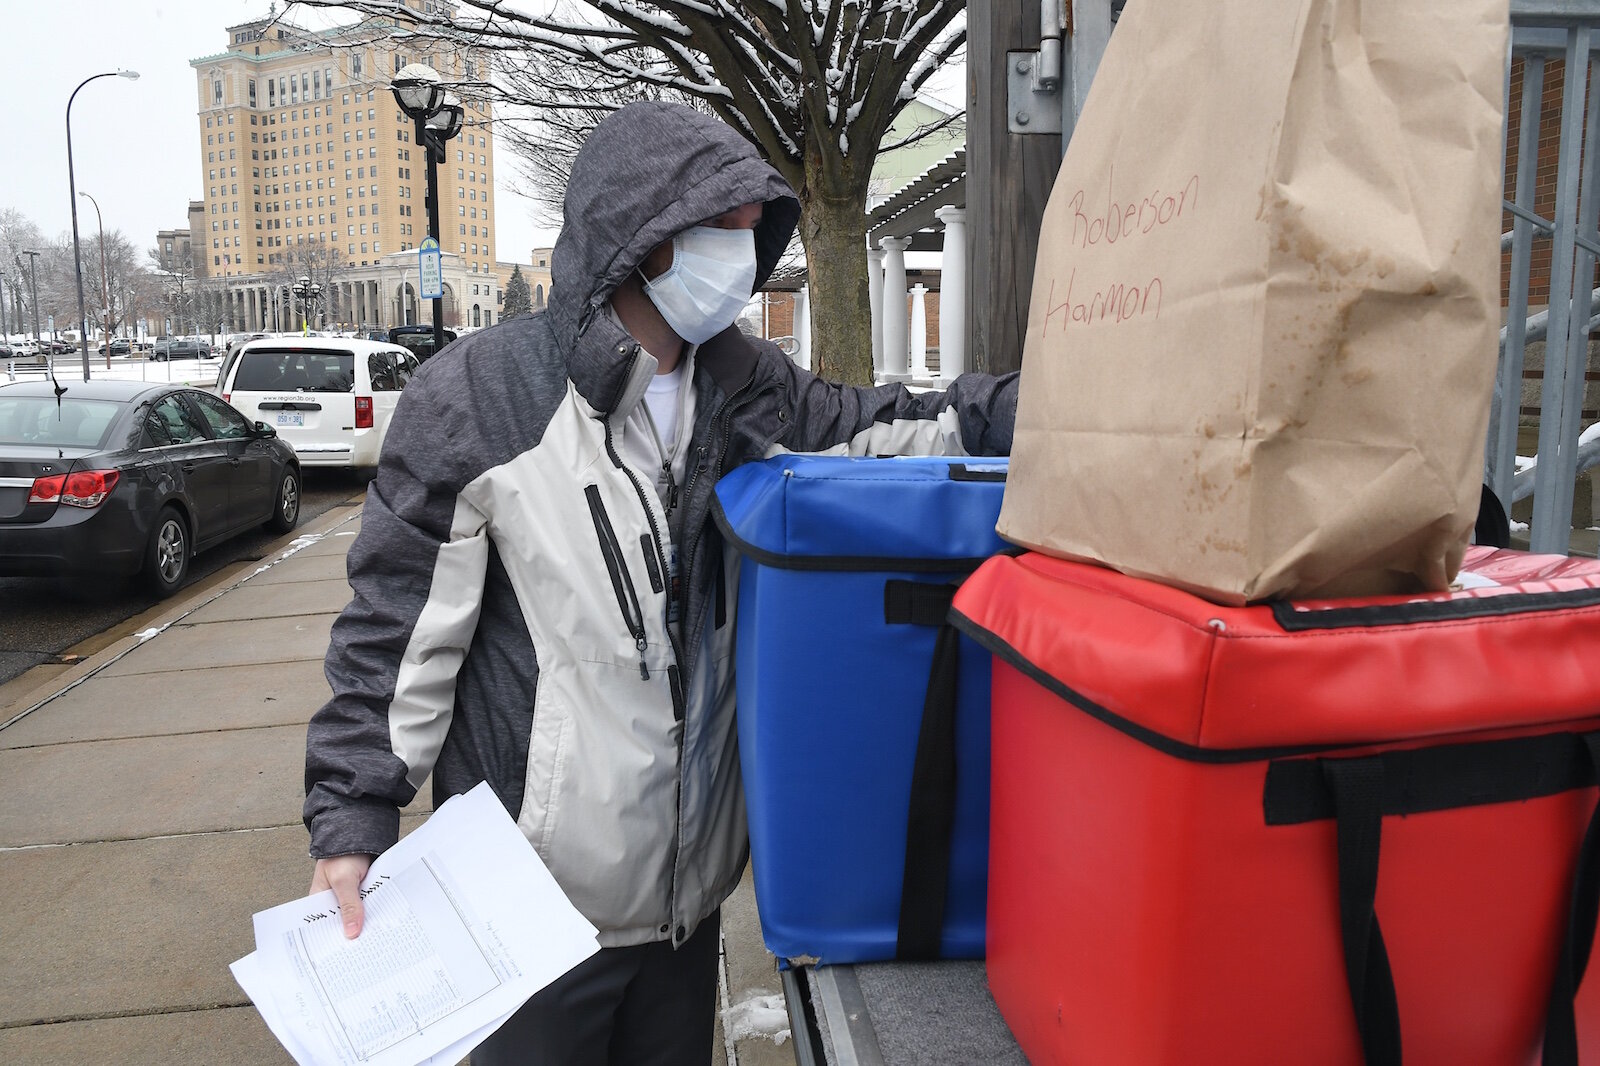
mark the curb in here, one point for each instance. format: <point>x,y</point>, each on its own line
<point>32,698</point>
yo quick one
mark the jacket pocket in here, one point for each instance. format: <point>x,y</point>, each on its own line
<point>621,579</point>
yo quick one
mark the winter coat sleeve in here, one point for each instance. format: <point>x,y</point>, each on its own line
<point>416,571</point>
<point>974,416</point>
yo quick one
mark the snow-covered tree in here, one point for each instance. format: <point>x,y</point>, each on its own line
<point>519,300</point>
<point>814,84</point>
<point>17,234</point>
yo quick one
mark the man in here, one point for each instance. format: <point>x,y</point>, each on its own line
<point>542,602</point>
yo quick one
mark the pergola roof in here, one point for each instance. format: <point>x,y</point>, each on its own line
<point>910,210</point>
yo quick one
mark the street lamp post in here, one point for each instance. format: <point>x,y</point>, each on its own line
<point>177,305</point>
<point>33,286</point>
<point>105,289</point>
<point>72,186</point>
<point>437,116</point>
<point>5,331</point>
<point>309,292</point>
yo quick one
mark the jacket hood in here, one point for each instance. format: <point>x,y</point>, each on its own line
<point>648,171</point>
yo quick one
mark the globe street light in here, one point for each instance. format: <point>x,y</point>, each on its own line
<point>309,293</point>
<point>72,186</point>
<point>105,290</point>
<point>437,115</point>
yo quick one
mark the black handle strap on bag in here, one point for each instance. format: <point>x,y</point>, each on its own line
<point>1359,792</point>
<point>930,820</point>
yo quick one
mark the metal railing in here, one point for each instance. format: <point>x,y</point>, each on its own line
<point>1546,32</point>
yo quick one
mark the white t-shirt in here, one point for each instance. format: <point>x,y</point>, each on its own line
<point>662,396</point>
<point>669,404</point>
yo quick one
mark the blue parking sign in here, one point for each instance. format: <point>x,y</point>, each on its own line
<point>430,270</point>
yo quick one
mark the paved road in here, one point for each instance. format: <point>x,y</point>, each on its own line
<point>40,618</point>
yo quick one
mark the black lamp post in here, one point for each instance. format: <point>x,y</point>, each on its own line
<point>72,186</point>
<point>308,292</point>
<point>105,289</point>
<point>33,287</point>
<point>437,116</point>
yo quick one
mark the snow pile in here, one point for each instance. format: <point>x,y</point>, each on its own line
<point>759,1016</point>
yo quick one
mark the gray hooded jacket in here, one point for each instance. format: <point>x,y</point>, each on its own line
<point>509,614</point>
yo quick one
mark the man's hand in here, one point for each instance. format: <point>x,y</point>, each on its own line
<point>344,874</point>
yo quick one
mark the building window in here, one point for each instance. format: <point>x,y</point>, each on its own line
<point>216,93</point>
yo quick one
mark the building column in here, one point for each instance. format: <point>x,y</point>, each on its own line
<point>895,349</point>
<point>919,332</point>
<point>953,293</point>
<point>802,325</point>
<point>875,296</point>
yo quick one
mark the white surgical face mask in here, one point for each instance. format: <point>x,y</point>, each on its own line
<point>708,283</point>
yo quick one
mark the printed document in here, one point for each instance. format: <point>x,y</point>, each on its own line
<point>462,924</point>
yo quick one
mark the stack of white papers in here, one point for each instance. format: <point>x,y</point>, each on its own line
<point>462,924</point>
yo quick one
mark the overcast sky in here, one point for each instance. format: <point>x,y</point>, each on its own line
<point>135,144</point>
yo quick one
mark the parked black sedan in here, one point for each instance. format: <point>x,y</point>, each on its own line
<point>125,477</point>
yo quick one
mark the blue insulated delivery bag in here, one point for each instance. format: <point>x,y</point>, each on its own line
<point>863,715</point>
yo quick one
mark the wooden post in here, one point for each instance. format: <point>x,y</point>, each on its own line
<point>1008,182</point>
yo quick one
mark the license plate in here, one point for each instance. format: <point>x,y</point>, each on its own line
<point>291,418</point>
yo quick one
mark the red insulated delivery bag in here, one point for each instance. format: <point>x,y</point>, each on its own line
<point>1295,833</point>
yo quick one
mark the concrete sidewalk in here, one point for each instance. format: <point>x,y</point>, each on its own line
<point>150,803</point>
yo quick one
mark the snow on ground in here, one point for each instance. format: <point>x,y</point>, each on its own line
<point>759,1016</point>
<point>70,369</point>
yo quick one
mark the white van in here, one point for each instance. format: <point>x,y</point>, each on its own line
<point>329,397</point>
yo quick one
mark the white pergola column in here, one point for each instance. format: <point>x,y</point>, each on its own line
<point>895,350</point>
<point>953,293</point>
<point>875,296</point>
<point>919,332</point>
<point>802,325</point>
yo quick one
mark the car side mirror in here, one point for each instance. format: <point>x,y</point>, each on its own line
<point>265,432</point>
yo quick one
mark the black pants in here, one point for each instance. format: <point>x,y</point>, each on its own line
<point>637,1006</point>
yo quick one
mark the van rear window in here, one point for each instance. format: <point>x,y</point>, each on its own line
<point>295,370</point>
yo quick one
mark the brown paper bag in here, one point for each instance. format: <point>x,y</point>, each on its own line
<point>1261,343</point>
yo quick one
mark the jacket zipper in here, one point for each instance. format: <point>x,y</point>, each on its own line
<point>621,581</point>
<point>718,425</point>
<point>674,673</point>
<point>644,501</point>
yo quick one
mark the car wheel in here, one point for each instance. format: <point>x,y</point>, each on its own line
<point>286,507</point>
<point>166,561</point>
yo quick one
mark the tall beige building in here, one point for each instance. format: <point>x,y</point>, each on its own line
<point>305,152</point>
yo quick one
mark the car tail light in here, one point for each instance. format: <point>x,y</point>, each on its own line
<point>226,398</point>
<point>86,488</point>
<point>363,412</point>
